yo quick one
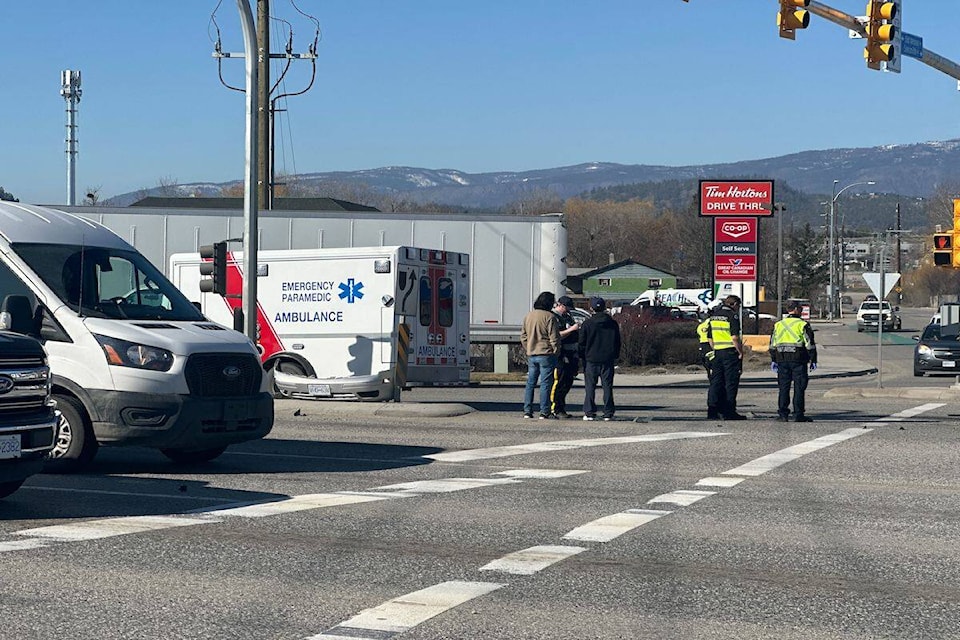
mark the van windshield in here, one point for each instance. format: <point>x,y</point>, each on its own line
<point>107,283</point>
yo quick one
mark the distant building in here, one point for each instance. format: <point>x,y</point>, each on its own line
<point>619,282</point>
<point>285,204</point>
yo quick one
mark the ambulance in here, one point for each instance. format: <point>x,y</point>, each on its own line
<point>351,323</point>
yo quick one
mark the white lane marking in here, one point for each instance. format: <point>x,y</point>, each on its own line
<point>109,527</point>
<point>446,485</point>
<point>609,527</point>
<point>540,474</point>
<point>682,497</point>
<point>561,445</point>
<point>96,529</point>
<point>769,462</point>
<point>290,505</point>
<point>719,482</point>
<point>22,545</point>
<point>923,408</point>
<point>403,613</point>
<point>529,561</point>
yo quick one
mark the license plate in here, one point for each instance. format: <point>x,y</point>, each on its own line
<point>237,410</point>
<point>319,390</point>
<point>949,363</point>
<point>10,446</point>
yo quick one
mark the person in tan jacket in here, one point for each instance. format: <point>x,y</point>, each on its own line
<point>540,336</point>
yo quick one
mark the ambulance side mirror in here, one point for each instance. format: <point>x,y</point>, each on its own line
<point>387,301</point>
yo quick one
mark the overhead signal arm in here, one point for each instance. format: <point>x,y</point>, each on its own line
<point>847,21</point>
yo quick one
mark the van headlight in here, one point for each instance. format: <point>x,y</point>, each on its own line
<point>121,353</point>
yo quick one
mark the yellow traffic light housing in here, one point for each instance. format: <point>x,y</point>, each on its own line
<point>883,32</point>
<point>943,249</point>
<point>956,249</point>
<point>792,17</point>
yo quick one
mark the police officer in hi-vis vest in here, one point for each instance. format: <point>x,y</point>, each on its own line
<point>723,331</point>
<point>792,348</point>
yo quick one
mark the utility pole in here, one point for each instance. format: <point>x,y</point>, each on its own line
<point>70,90</point>
<point>265,168</point>
<point>264,181</point>
<point>899,254</point>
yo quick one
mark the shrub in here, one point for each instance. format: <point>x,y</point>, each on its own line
<point>648,340</point>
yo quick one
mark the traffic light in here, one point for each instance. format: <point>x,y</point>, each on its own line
<point>943,249</point>
<point>883,34</point>
<point>791,17</point>
<point>214,264</point>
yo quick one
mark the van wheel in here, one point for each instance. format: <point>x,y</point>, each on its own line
<point>6,488</point>
<point>75,445</point>
<point>193,456</point>
<point>289,367</point>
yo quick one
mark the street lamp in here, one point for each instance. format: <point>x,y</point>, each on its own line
<point>833,266</point>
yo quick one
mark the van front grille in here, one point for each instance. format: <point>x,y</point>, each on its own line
<point>223,374</point>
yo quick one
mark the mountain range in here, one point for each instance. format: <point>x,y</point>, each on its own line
<point>912,170</point>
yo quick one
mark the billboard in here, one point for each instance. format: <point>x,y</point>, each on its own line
<point>736,198</point>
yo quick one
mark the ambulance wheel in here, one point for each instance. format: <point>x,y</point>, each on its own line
<point>289,367</point>
<point>193,456</point>
<point>75,445</point>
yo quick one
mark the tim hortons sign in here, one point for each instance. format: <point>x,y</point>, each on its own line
<point>736,198</point>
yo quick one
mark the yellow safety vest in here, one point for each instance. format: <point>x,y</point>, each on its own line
<point>718,328</point>
<point>702,332</point>
<point>790,331</point>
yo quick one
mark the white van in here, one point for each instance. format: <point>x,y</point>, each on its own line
<point>133,361</point>
<point>329,320</point>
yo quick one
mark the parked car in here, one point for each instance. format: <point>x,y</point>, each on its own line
<point>937,350</point>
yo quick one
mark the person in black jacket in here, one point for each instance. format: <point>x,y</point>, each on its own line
<point>568,365</point>
<point>599,347</point>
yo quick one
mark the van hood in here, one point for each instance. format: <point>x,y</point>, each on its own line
<point>180,337</point>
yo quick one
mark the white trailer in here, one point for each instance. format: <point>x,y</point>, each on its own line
<point>357,323</point>
<point>513,258</point>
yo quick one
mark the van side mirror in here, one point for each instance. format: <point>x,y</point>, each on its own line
<point>16,314</point>
<point>896,308</point>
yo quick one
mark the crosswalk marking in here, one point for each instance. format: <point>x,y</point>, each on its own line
<point>403,613</point>
<point>529,561</point>
<point>682,497</point>
<point>609,527</point>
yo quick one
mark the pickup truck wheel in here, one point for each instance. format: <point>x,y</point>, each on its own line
<point>192,456</point>
<point>292,368</point>
<point>75,444</point>
<point>6,488</point>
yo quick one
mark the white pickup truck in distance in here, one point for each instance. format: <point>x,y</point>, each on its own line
<point>868,316</point>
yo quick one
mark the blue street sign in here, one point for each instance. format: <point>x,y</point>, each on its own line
<point>911,45</point>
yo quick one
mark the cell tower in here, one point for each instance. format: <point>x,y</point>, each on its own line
<point>70,90</point>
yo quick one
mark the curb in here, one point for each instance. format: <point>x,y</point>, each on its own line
<point>307,408</point>
<point>915,393</point>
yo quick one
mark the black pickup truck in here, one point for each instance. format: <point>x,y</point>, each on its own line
<point>27,418</point>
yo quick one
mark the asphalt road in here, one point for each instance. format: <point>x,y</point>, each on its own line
<point>348,524</point>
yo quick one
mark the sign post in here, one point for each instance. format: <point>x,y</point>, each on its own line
<point>881,284</point>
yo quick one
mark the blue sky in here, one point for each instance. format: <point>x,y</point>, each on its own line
<point>477,86</point>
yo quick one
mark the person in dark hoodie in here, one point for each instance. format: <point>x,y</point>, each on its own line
<point>599,347</point>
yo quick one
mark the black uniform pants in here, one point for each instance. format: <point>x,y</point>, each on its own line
<point>724,382</point>
<point>792,373</point>
<point>568,366</point>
